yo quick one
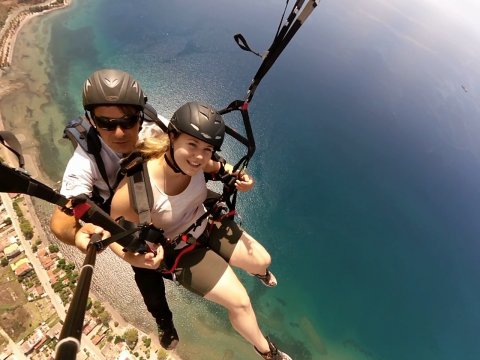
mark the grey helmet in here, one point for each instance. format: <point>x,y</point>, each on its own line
<point>112,87</point>
<point>201,121</point>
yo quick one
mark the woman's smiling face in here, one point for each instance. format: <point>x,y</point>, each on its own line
<point>191,154</point>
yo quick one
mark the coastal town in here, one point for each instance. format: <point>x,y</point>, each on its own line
<point>38,283</point>
<point>37,287</point>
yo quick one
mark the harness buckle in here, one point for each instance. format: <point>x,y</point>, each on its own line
<point>174,279</point>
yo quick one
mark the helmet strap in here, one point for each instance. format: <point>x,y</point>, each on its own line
<point>91,121</point>
<point>142,118</point>
<point>172,163</point>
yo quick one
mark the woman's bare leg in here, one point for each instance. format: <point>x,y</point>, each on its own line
<point>230,293</point>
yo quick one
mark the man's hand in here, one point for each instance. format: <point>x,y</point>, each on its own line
<point>84,234</point>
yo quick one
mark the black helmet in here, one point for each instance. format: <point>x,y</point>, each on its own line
<point>112,87</point>
<point>201,121</point>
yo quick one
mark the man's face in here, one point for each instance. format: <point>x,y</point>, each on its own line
<point>118,131</point>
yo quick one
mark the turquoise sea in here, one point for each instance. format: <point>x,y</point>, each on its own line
<point>367,162</point>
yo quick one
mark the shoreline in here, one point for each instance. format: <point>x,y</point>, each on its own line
<point>13,24</point>
<point>8,47</point>
<point>30,157</point>
<point>11,82</point>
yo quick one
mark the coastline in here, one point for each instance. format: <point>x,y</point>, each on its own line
<point>13,81</point>
<point>14,22</point>
<point>10,81</point>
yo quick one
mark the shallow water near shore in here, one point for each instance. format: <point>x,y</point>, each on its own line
<point>366,192</point>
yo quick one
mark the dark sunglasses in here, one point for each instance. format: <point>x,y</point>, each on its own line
<point>125,123</point>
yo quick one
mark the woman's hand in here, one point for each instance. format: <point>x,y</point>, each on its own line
<point>150,260</point>
<point>244,182</point>
<point>153,259</point>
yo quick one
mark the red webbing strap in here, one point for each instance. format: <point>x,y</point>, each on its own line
<point>228,214</point>
<point>178,257</point>
<point>80,210</point>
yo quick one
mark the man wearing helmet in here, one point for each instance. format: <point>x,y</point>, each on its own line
<point>114,103</point>
<point>176,165</point>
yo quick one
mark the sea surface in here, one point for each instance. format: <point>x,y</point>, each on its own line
<point>367,165</point>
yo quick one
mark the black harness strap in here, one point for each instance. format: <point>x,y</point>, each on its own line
<point>150,115</point>
<point>81,133</point>
<point>285,33</point>
<point>94,148</point>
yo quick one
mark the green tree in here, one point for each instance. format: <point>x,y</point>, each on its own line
<point>4,261</point>
<point>34,248</point>
<point>89,303</point>
<point>26,229</point>
<point>97,304</point>
<point>7,221</point>
<point>53,248</point>
<point>162,354</point>
<point>17,209</point>
<point>131,337</point>
<point>57,287</point>
<point>105,317</point>
<point>146,341</point>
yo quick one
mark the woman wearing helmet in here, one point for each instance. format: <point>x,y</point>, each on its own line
<point>176,166</point>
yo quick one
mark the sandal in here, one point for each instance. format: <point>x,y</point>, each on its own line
<point>274,353</point>
<point>268,279</point>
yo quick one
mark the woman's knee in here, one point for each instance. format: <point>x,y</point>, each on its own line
<point>230,293</point>
<point>241,303</point>
<point>264,258</point>
<point>260,255</point>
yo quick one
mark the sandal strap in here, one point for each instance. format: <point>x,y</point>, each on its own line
<point>274,353</point>
<point>265,277</point>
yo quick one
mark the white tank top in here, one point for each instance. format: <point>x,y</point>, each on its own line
<point>174,214</point>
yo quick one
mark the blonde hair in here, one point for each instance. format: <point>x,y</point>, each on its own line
<point>154,147</point>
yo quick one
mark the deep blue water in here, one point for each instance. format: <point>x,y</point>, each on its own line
<point>367,162</point>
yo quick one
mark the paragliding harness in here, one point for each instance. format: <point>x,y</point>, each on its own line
<point>134,166</point>
<point>81,133</point>
<point>141,199</point>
